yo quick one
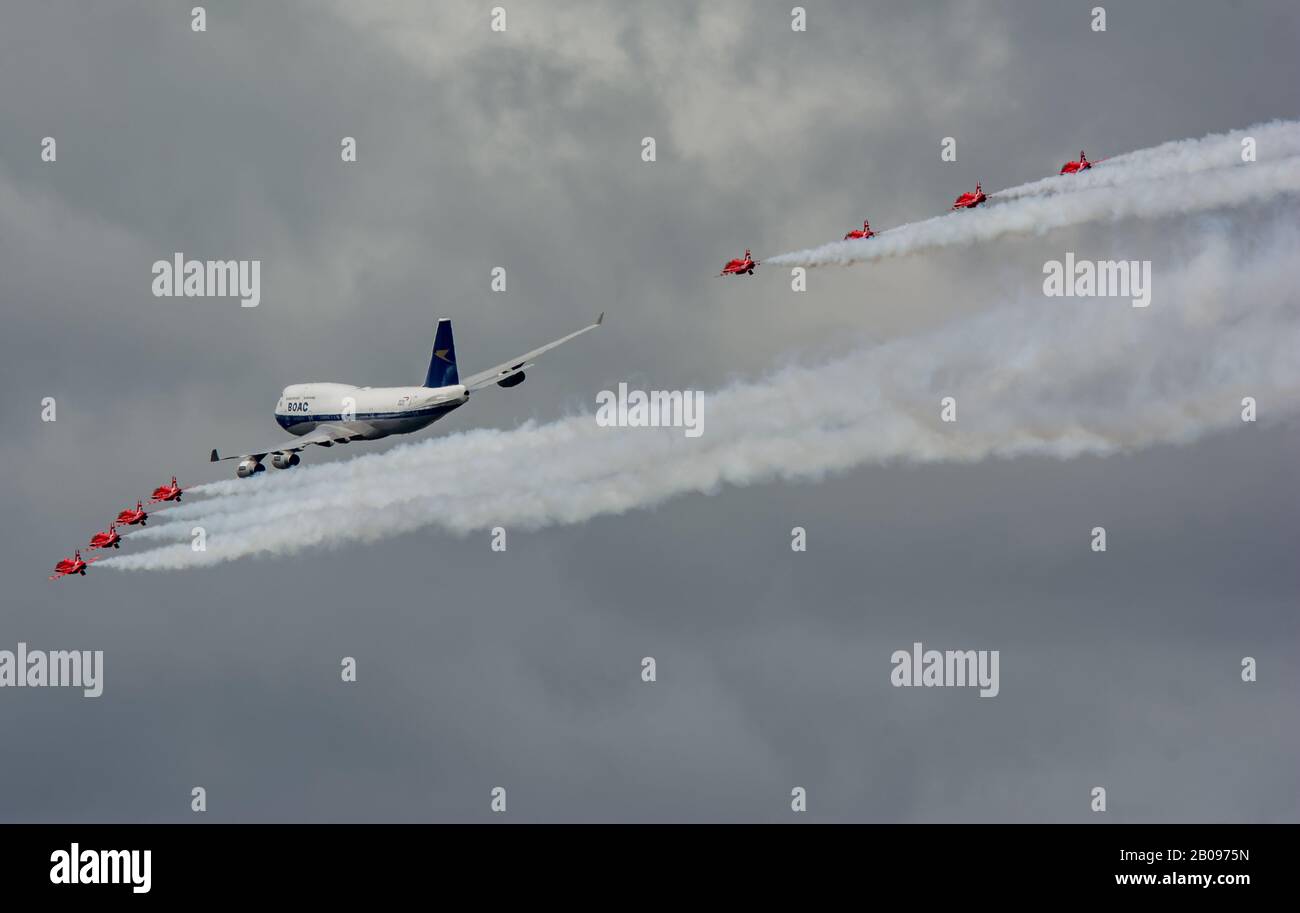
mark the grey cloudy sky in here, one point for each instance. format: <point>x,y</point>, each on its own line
<point>522,149</point>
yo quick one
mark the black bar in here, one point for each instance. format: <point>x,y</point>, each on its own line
<point>369,861</point>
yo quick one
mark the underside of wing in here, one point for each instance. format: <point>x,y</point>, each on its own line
<point>515,366</point>
<point>324,436</point>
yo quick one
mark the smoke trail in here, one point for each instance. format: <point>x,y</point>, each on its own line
<point>1274,141</point>
<point>1182,187</point>
<point>1037,376</point>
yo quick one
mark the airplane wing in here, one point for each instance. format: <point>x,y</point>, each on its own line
<point>517,365</point>
<point>324,436</point>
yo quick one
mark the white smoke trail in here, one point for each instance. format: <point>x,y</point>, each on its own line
<point>1274,141</point>
<point>1058,377</point>
<point>1125,194</point>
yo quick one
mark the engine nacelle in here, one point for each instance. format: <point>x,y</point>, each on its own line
<point>284,460</point>
<point>513,380</point>
<point>247,468</point>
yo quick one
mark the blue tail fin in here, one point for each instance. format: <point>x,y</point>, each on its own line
<point>442,364</point>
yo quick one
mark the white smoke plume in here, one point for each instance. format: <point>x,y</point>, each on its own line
<point>1171,180</point>
<point>1052,377</point>
<point>1273,141</point>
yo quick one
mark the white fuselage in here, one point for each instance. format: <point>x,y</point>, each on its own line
<point>373,412</point>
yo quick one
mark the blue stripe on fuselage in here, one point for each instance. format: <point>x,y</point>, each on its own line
<point>433,413</point>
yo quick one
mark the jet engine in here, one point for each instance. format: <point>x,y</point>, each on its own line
<point>513,380</point>
<point>284,460</point>
<point>248,467</point>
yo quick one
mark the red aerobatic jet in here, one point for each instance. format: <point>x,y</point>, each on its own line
<point>170,492</point>
<point>970,200</point>
<point>74,565</point>
<point>131,517</point>
<point>864,232</point>
<point>740,265</point>
<point>109,539</point>
<point>1075,167</point>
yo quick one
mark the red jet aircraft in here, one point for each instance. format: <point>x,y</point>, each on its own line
<point>743,265</point>
<point>131,517</point>
<point>864,232</point>
<point>170,492</point>
<point>970,200</point>
<point>74,565</point>
<point>1075,167</point>
<point>109,539</point>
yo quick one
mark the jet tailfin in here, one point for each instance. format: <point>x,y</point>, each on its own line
<point>442,364</point>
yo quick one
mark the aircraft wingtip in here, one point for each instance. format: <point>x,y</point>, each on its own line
<point>213,458</point>
<point>600,319</point>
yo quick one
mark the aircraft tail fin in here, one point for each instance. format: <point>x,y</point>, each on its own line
<point>442,364</point>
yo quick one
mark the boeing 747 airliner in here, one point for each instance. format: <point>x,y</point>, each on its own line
<point>329,414</point>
